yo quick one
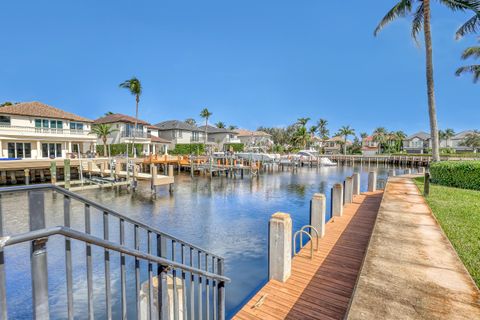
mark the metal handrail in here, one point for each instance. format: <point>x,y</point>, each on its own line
<point>300,232</point>
<point>101,208</point>
<point>197,269</point>
<point>314,230</point>
<point>77,235</point>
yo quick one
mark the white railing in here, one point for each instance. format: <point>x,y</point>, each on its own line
<point>132,133</point>
<point>56,131</point>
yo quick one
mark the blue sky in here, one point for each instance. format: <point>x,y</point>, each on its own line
<point>250,62</point>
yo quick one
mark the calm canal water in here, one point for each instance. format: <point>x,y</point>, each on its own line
<point>225,216</point>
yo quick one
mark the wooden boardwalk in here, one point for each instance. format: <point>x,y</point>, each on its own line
<point>321,288</point>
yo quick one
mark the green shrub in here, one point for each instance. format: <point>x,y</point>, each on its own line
<point>235,147</point>
<point>184,149</point>
<point>120,149</point>
<point>459,174</point>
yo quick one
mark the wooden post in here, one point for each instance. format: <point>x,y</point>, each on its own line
<point>153,172</point>
<point>337,200</point>
<point>3,177</point>
<point>356,183</point>
<point>66,173</point>
<point>42,175</point>
<point>426,186</point>
<point>53,172</point>
<point>118,168</point>
<point>280,247</point>
<point>372,181</point>
<point>170,174</point>
<point>318,210</point>
<point>27,176</point>
<point>13,178</point>
<point>348,190</point>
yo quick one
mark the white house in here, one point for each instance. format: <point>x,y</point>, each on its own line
<point>370,147</point>
<point>127,133</point>
<point>418,142</point>
<point>220,137</point>
<point>34,130</point>
<point>254,140</point>
<point>457,140</point>
<point>179,132</point>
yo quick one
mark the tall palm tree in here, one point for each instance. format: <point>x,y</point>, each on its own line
<point>323,131</point>
<point>472,140</point>
<point>205,114</point>
<point>134,86</point>
<point>345,131</point>
<point>446,135</point>
<point>380,135</point>
<point>301,137</point>
<point>474,68</point>
<point>103,131</point>
<point>108,113</point>
<point>232,127</point>
<point>303,121</point>
<point>220,124</point>
<point>421,20</point>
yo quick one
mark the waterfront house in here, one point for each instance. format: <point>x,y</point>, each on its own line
<point>126,131</point>
<point>370,147</point>
<point>335,145</point>
<point>179,132</point>
<point>417,143</point>
<point>254,140</point>
<point>220,138</point>
<point>34,130</point>
<point>456,142</point>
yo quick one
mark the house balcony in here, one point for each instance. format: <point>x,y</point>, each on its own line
<point>24,131</point>
<point>133,134</point>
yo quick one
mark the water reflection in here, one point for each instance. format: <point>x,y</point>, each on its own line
<point>226,216</point>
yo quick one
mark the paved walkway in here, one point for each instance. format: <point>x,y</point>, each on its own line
<point>411,271</point>
<point>321,288</point>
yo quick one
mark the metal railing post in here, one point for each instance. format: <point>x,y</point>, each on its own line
<point>3,292</point>
<point>221,291</point>
<point>162,302</point>
<point>68,258</point>
<point>38,256</point>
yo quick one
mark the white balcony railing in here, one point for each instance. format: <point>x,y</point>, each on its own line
<point>133,133</point>
<point>23,130</point>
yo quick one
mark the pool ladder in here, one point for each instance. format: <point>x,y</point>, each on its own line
<point>300,233</point>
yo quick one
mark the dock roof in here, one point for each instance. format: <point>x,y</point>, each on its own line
<point>39,109</point>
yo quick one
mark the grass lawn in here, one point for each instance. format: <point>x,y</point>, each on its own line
<point>458,212</point>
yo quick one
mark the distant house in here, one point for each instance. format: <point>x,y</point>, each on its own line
<point>179,132</point>
<point>220,137</point>
<point>370,147</point>
<point>34,130</point>
<point>418,143</point>
<point>254,140</point>
<point>126,132</point>
<point>457,140</point>
<point>335,145</point>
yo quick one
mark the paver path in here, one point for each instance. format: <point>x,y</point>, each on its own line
<point>411,271</point>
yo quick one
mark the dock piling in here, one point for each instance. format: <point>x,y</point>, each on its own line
<point>337,200</point>
<point>66,173</point>
<point>372,181</point>
<point>53,172</point>
<point>26,172</point>
<point>280,247</point>
<point>318,208</point>
<point>348,190</point>
<point>356,183</point>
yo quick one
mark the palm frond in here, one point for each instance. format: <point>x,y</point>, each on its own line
<point>461,5</point>
<point>401,9</point>
<point>470,26</point>
<point>417,23</point>
<point>471,52</point>
<point>474,69</point>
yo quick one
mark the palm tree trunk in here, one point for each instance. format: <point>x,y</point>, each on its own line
<point>205,136</point>
<point>430,83</point>
<point>134,150</point>
<point>345,146</point>
<point>104,147</point>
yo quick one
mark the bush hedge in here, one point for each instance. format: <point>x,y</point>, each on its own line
<point>120,149</point>
<point>459,174</point>
<point>236,147</point>
<point>184,149</point>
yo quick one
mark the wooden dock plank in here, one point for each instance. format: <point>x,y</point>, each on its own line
<point>321,287</point>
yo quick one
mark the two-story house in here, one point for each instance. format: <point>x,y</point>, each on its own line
<point>179,132</point>
<point>125,132</point>
<point>254,140</point>
<point>335,145</point>
<point>456,142</point>
<point>220,138</point>
<point>34,130</point>
<point>370,146</point>
<point>418,143</point>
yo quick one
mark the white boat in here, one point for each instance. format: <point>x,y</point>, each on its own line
<point>258,156</point>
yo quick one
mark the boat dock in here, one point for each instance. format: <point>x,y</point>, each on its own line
<point>321,288</point>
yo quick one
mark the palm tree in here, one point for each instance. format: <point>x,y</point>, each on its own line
<point>220,124</point>
<point>103,131</point>
<point>421,20</point>
<point>363,135</point>
<point>446,135</point>
<point>345,131</point>
<point>108,113</point>
<point>191,121</point>
<point>301,137</point>
<point>232,127</point>
<point>205,114</point>
<point>323,131</point>
<point>380,135</point>
<point>472,140</point>
<point>474,68</point>
<point>303,121</point>
<point>135,87</point>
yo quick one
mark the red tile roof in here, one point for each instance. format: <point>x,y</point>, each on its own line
<point>38,109</point>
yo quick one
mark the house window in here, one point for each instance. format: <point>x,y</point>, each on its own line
<point>19,150</point>
<point>76,126</point>
<point>4,121</point>
<point>51,150</point>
